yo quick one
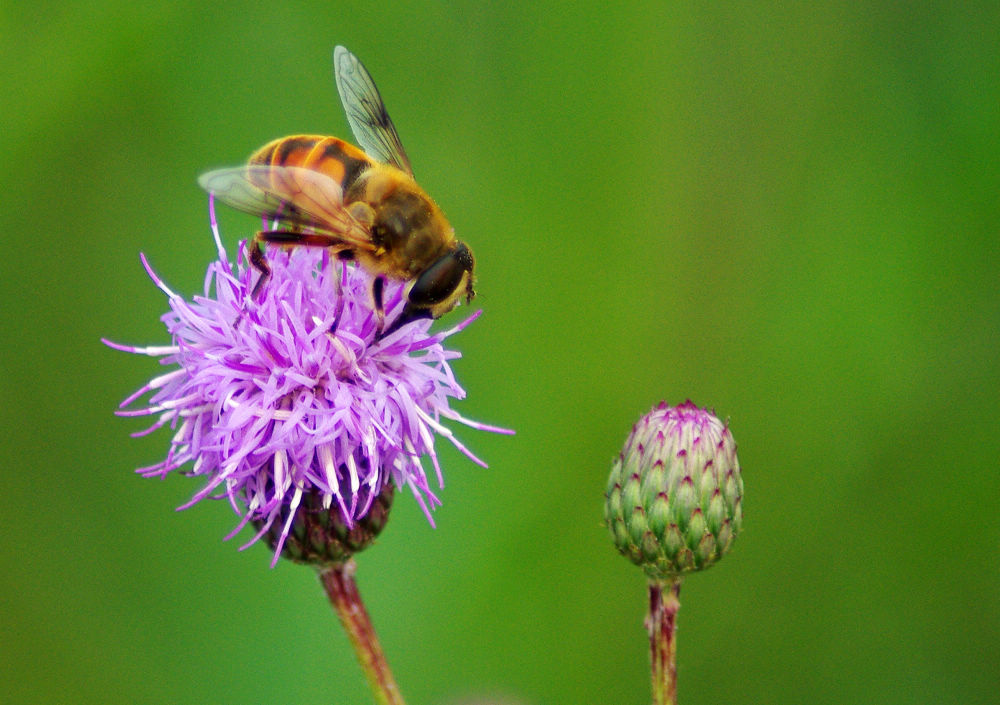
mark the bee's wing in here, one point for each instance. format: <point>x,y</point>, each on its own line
<point>293,195</point>
<point>366,112</point>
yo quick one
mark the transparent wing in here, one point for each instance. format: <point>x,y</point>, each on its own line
<point>293,195</point>
<point>366,112</point>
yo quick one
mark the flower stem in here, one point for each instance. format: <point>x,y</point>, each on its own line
<point>338,581</point>
<point>661,624</point>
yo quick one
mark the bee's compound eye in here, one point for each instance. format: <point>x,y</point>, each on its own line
<point>438,282</point>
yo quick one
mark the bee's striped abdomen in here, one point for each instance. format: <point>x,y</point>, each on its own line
<point>341,161</point>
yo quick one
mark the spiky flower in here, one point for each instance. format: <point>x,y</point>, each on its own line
<point>674,496</point>
<point>292,407</point>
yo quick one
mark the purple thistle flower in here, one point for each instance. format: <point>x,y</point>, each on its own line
<point>288,399</point>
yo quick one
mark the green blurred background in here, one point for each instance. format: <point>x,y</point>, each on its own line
<point>788,213</point>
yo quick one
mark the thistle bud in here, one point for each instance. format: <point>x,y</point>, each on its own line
<point>674,497</point>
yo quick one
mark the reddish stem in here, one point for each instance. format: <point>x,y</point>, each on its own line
<point>661,624</point>
<point>338,581</point>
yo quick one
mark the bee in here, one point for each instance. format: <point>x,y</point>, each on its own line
<point>363,206</point>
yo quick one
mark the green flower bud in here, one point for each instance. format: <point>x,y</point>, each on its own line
<point>674,502</point>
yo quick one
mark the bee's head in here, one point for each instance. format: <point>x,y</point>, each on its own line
<point>439,288</point>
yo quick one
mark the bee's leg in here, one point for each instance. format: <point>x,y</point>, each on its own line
<point>338,282</point>
<point>259,262</point>
<point>279,237</point>
<point>378,286</point>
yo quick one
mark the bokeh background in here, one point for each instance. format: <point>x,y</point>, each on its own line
<point>787,213</point>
